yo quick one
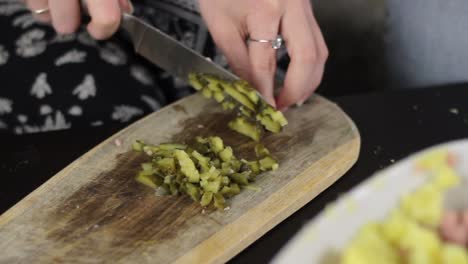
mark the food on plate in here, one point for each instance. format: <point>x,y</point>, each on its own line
<point>255,116</point>
<point>207,170</point>
<point>419,230</point>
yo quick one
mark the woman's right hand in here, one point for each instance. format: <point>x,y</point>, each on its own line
<point>65,15</point>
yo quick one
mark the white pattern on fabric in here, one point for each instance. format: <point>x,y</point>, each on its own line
<point>23,21</point>
<point>86,89</point>
<point>97,123</point>
<point>113,54</point>
<point>41,87</point>
<point>151,102</point>
<point>62,38</point>
<point>31,43</point>
<point>124,113</point>
<point>86,39</point>
<point>141,74</point>
<point>4,55</point>
<point>10,8</point>
<point>75,110</point>
<point>45,110</point>
<point>22,118</point>
<point>55,123</point>
<point>6,106</point>
<point>73,56</point>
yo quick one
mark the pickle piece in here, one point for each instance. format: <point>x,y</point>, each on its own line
<point>147,166</point>
<point>166,164</point>
<point>193,192</point>
<point>216,144</point>
<point>172,146</point>
<point>244,127</point>
<point>226,154</point>
<point>207,93</point>
<point>269,124</point>
<point>147,178</point>
<point>241,178</point>
<point>138,145</point>
<point>268,163</point>
<point>246,89</point>
<point>231,190</point>
<point>219,201</point>
<point>238,96</point>
<point>218,96</point>
<point>196,82</point>
<point>206,199</point>
<point>261,151</point>
<point>212,186</point>
<point>203,161</point>
<point>187,167</point>
<point>228,105</point>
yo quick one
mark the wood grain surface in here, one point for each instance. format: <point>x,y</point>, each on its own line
<point>93,211</point>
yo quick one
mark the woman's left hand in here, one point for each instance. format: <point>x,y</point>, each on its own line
<point>232,22</point>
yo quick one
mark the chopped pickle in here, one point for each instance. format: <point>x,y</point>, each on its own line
<point>261,151</point>
<point>236,95</point>
<point>241,178</point>
<point>240,95</point>
<point>219,201</point>
<point>193,191</point>
<point>138,145</point>
<point>218,96</point>
<point>269,124</point>
<point>209,178</point>
<point>167,146</point>
<point>246,128</point>
<point>187,167</point>
<point>245,88</point>
<point>268,163</point>
<point>166,164</point>
<point>216,144</point>
<point>196,82</point>
<point>206,198</point>
<point>147,179</point>
<point>207,93</point>
<point>226,154</point>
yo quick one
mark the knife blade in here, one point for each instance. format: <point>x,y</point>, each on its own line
<point>168,53</point>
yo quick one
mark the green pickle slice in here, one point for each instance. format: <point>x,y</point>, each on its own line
<point>210,178</point>
<point>255,115</point>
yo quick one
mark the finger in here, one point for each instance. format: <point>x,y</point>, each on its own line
<point>126,6</point>
<point>34,5</point>
<point>65,15</point>
<point>304,72</point>
<point>105,18</point>
<point>231,42</point>
<point>263,23</point>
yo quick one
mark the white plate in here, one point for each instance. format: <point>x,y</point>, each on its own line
<point>330,231</point>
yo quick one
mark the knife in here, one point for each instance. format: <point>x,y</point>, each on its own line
<point>168,53</point>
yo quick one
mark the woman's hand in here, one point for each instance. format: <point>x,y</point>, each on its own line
<point>232,22</point>
<point>65,15</point>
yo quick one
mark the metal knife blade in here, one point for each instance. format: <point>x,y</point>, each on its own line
<point>168,53</point>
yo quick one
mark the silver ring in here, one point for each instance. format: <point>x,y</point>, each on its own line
<point>276,43</point>
<point>41,11</point>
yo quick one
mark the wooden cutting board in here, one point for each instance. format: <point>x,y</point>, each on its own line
<point>93,211</point>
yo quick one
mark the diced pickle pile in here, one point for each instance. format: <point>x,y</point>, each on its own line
<point>255,116</point>
<point>410,234</point>
<point>207,170</point>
